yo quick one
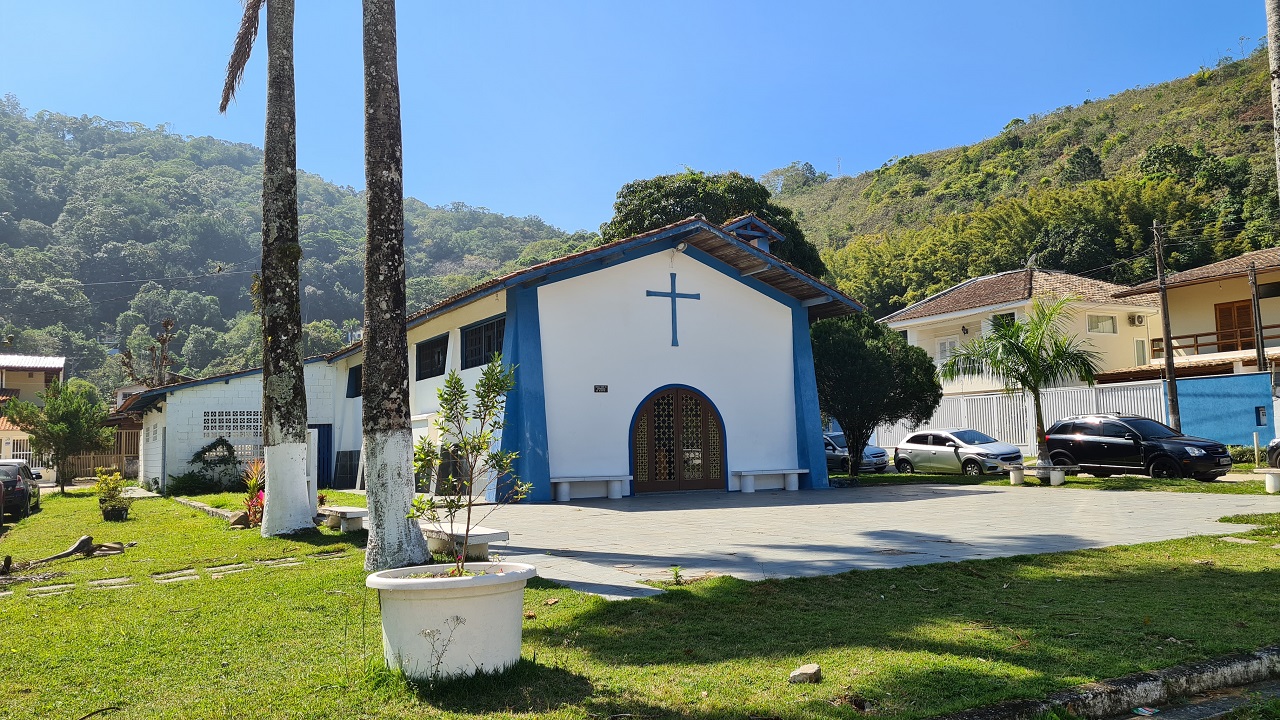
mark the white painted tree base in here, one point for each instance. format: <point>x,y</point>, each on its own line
<point>289,495</point>
<point>395,540</point>
<point>446,627</point>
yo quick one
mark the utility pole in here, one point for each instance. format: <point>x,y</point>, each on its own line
<point>1258,343</point>
<point>1175,417</point>
<point>1273,56</point>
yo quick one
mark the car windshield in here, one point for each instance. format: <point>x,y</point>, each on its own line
<point>972,437</point>
<point>1150,428</point>
<point>838,439</point>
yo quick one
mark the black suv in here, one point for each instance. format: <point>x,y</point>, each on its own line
<point>1107,444</point>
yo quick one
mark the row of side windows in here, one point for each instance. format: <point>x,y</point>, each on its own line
<point>479,343</point>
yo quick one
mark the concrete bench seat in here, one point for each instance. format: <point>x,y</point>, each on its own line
<point>790,478</point>
<point>446,537</point>
<point>345,518</point>
<point>1273,478</point>
<point>560,485</point>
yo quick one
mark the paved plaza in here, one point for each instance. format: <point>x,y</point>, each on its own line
<point>606,546</point>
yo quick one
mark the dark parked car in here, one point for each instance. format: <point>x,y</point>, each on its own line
<point>1107,444</point>
<point>21,495</point>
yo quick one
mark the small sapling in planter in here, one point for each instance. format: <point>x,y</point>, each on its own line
<point>475,467</point>
<point>111,499</point>
<point>459,618</point>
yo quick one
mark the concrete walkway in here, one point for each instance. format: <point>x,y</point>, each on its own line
<point>605,546</point>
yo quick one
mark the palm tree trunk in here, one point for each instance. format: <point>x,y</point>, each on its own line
<point>1273,52</point>
<point>395,540</point>
<point>289,496</point>
<point>1042,443</point>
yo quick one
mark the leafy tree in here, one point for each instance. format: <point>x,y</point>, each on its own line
<point>793,178</point>
<point>869,376</point>
<point>321,337</point>
<point>644,205</point>
<point>70,423</point>
<point>1031,354</point>
<point>1082,164</point>
<point>394,538</point>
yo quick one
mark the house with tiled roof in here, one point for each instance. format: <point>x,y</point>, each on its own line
<point>1211,322</point>
<point>1122,330</point>
<point>24,377</point>
<point>678,359</point>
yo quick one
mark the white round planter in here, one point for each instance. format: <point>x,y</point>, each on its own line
<point>1057,476</point>
<point>435,628</point>
<point>1015,476</point>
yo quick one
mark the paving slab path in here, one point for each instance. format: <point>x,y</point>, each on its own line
<point>605,546</point>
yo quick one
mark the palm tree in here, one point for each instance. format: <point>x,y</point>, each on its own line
<point>1031,355</point>
<point>395,540</point>
<point>290,500</point>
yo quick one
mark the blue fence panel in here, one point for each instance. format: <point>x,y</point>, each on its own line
<point>1227,408</point>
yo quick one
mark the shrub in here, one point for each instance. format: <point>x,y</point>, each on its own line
<point>1244,454</point>
<point>255,476</point>
<point>110,489</point>
<point>191,483</point>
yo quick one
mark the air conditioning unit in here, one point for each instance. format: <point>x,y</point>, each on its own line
<point>1137,320</point>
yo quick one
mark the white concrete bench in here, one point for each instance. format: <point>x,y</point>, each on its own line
<point>616,484</point>
<point>446,537</point>
<point>344,518</point>
<point>1273,478</point>
<point>790,478</point>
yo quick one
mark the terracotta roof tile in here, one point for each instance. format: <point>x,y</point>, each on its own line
<point>7,425</point>
<point>1012,286</point>
<point>1268,259</point>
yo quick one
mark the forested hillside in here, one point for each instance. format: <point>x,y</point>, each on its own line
<point>1078,189</point>
<point>107,228</point>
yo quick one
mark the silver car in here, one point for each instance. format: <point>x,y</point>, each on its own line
<point>954,450</point>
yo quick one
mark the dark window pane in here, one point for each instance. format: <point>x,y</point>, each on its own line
<point>355,378</point>
<point>432,356</point>
<point>480,342</point>
<point>1113,430</point>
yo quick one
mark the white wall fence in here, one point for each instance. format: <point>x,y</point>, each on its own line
<point>1011,417</point>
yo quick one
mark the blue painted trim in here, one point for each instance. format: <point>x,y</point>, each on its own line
<point>810,452</point>
<point>525,424</point>
<point>675,341</point>
<point>324,455</point>
<point>724,436</point>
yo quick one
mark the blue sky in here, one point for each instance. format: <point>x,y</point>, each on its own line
<point>548,108</point>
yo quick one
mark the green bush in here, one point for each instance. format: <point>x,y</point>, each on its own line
<point>1243,454</point>
<point>192,483</point>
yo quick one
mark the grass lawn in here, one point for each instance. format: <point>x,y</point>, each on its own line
<point>303,641</point>
<point>1087,482</point>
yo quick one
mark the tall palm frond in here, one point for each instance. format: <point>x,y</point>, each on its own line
<point>1030,355</point>
<point>245,38</point>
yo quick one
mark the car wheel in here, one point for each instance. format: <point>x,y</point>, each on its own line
<point>846,467</point>
<point>1164,468</point>
<point>904,466</point>
<point>972,468</point>
<point>26,508</point>
<point>1062,459</point>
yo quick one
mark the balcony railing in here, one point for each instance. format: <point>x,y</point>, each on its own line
<point>1213,342</point>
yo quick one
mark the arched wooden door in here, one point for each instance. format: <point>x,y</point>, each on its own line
<point>677,443</point>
